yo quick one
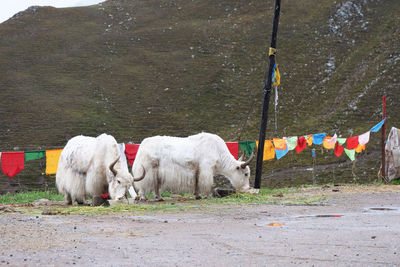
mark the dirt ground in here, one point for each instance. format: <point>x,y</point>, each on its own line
<point>354,226</point>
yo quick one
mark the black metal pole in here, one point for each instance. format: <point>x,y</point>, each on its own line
<point>267,94</point>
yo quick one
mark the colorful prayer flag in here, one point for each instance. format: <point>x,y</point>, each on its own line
<point>364,138</point>
<point>276,76</point>
<point>338,150</point>
<point>309,140</point>
<point>32,155</point>
<point>130,152</point>
<point>329,142</point>
<point>52,157</point>
<point>378,126</point>
<point>233,148</point>
<point>360,148</point>
<point>12,163</point>
<point>247,147</point>
<point>280,153</point>
<point>352,142</point>
<point>318,139</point>
<point>279,144</point>
<point>350,153</point>
<point>301,144</point>
<point>269,151</point>
<point>121,147</point>
<point>292,142</point>
<point>341,141</point>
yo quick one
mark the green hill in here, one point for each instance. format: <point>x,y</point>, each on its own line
<point>134,69</point>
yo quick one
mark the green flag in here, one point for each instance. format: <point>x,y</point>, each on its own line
<point>31,155</point>
<point>292,142</point>
<point>350,153</point>
<point>341,141</point>
<point>247,147</point>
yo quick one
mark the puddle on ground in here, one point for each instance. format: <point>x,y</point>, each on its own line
<point>383,209</point>
<point>321,216</point>
<point>380,210</point>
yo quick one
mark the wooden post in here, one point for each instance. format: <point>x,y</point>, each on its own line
<point>383,138</point>
<point>267,94</point>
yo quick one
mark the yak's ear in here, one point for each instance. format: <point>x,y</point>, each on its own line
<point>112,167</point>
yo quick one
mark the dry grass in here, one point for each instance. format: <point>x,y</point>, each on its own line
<point>299,196</point>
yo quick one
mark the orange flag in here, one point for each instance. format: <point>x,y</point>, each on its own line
<point>280,144</point>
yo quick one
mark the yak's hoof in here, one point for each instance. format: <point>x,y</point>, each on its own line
<point>160,199</point>
<point>142,198</point>
<point>197,197</point>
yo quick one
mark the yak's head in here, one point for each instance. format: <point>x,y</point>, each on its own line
<point>121,182</point>
<point>241,174</point>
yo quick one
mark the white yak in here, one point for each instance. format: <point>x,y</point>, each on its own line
<point>187,165</point>
<point>90,166</point>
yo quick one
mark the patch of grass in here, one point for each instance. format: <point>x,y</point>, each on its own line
<point>267,196</point>
<point>122,208</point>
<point>395,182</point>
<point>26,197</point>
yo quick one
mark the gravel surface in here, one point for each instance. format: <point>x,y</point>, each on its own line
<point>358,226</point>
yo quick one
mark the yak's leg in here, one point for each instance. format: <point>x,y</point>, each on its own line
<point>206,180</point>
<point>157,186</point>
<point>68,198</point>
<point>196,184</point>
<point>80,201</point>
<point>142,196</point>
<point>157,193</point>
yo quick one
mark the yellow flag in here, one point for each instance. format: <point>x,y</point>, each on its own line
<point>52,157</point>
<point>276,76</point>
<point>269,151</point>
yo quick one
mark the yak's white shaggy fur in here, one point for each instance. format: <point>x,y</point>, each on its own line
<point>186,165</point>
<point>90,166</point>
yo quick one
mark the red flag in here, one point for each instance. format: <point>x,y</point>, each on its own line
<point>233,148</point>
<point>352,142</point>
<point>130,152</point>
<point>12,163</point>
<point>301,144</point>
<point>338,150</point>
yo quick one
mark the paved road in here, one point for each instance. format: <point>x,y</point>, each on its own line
<point>360,229</point>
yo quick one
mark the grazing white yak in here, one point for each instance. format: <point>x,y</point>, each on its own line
<point>90,166</point>
<point>187,165</point>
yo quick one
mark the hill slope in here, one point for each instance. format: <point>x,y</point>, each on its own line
<point>135,69</point>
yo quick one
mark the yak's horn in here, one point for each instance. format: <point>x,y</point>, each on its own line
<point>241,157</point>
<point>112,167</point>
<point>248,161</point>
<point>141,177</point>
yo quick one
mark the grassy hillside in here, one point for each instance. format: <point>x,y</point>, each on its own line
<point>140,68</point>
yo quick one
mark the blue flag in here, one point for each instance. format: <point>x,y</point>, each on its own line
<point>280,153</point>
<point>378,126</point>
<point>318,139</point>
